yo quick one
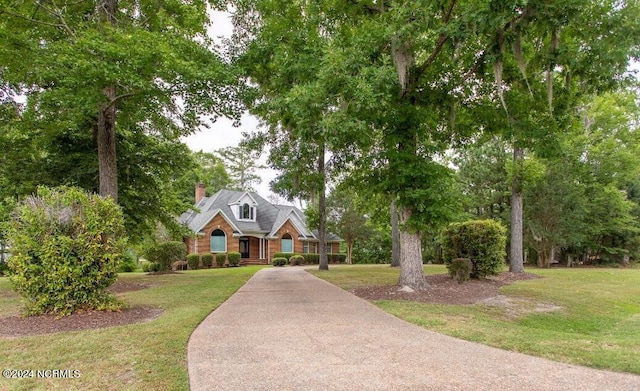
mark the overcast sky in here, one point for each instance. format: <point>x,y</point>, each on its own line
<point>222,134</point>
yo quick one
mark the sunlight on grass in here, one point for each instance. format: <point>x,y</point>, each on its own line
<point>598,324</point>
<point>146,356</point>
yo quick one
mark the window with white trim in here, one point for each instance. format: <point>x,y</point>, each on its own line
<point>218,241</point>
<point>246,212</point>
<point>286,244</point>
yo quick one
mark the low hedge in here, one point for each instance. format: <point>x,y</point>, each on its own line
<point>279,261</point>
<point>221,258</point>
<point>193,260</point>
<point>207,260</point>
<point>234,258</point>
<point>283,255</point>
<point>296,259</point>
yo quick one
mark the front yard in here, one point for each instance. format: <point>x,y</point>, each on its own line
<point>143,356</point>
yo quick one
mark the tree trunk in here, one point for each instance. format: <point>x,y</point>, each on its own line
<point>411,272</point>
<point>516,262</point>
<point>395,236</point>
<point>106,139</point>
<point>349,251</point>
<point>322,211</point>
<point>106,129</point>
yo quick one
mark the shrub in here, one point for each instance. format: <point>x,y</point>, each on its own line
<point>312,259</point>
<point>283,255</point>
<point>154,267</point>
<point>460,269</point>
<point>336,258</point>
<point>221,258</point>
<point>66,248</point>
<point>279,261</point>
<point>4,269</point>
<point>234,258</point>
<point>165,254</point>
<point>193,260</point>
<point>179,265</point>
<point>296,259</point>
<point>207,260</point>
<point>481,241</point>
<point>129,262</point>
<point>145,266</point>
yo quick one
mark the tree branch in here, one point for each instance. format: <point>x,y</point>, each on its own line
<point>442,39</point>
<point>119,97</point>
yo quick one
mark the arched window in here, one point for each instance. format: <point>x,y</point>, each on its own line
<point>218,241</point>
<point>286,245</point>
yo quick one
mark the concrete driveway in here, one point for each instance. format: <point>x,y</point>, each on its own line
<point>288,330</point>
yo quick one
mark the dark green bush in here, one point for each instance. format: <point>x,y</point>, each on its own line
<point>66,248</point>
<point>165,254</point>
<point>145,265</point>
<point>481,241</point>
<point>234,258</point>
<point>154,267</point>
<point>312,259</point>
<point>4,269</point>
<point>336,258</point>
<point>129,262</point>
<point>279,261</point>
<point>283,255</point>
<point>207,260</point>
<point>296,259</point>
<point>193,260</point>
<point>460,269</point>
<point>221,258</point>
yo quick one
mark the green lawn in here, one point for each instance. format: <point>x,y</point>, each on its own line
<point>598,324</point>
<point>147,356</point>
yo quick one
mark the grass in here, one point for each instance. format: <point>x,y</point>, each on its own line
<point>146,356</point>
<point>598,325</point>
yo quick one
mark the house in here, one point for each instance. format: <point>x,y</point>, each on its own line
<point>244,222</point>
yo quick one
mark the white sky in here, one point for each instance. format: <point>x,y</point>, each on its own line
<point>221,133</point>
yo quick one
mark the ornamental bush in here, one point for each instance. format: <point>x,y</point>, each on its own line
<point>234,258</point>
<point>207,260</point>
<point>129,262</point>
<point>336,258</point>
<point>279,261</point>
<point>296,259</point>
<point>460,269</point>
<point>283,255</point>
<point>66,248</point>
<point>312,259</point>
<point>481,241</point>
<point>221,258</point>
<point>165,254</point>
<point>193,260</point>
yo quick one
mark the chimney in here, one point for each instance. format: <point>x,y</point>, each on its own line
<point>200,191</point>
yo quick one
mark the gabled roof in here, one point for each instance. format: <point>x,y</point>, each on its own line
<point>269,217</point>
<point>242,195</point>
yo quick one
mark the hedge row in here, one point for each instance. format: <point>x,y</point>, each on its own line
<point>206,260</point>
<point>311,259</point>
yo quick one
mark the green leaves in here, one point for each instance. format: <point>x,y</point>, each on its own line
<point>66,247</point>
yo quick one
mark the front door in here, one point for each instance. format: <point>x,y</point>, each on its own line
<point>244,247</point>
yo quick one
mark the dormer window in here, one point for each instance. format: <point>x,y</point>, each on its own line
<point>246,212</point>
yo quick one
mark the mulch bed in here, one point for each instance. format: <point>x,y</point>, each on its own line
<point>17,326</point>
<point>445,290</point>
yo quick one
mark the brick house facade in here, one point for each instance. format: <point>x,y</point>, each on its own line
<point>244,222</point>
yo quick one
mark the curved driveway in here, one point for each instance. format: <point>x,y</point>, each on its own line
<point>288,330</point>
